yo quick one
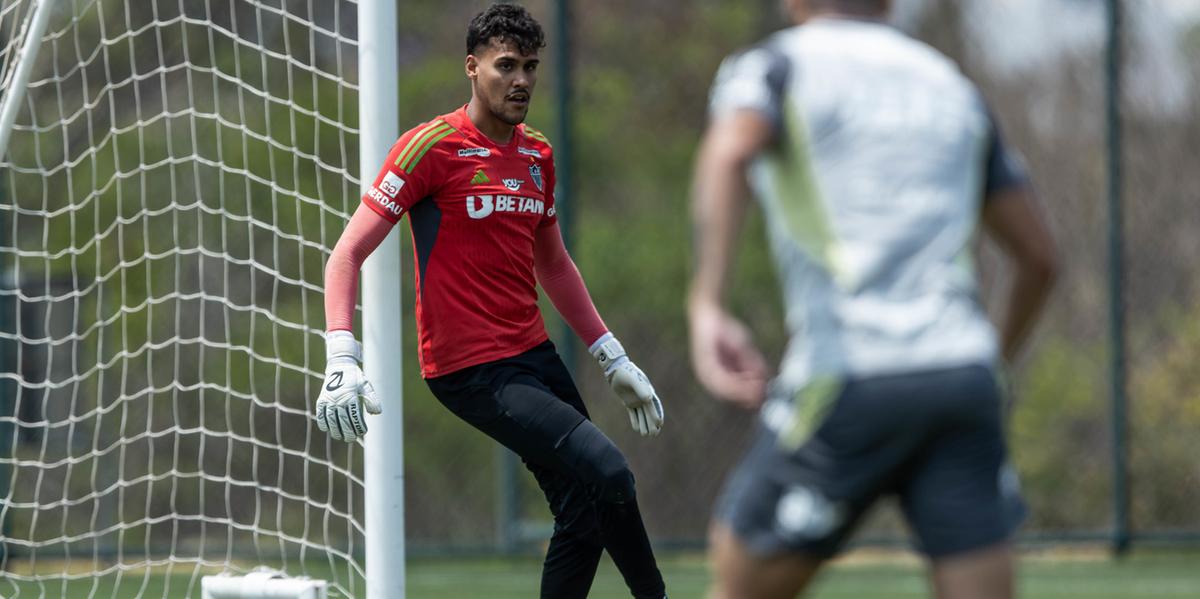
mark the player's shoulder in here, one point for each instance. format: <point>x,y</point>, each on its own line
<point>898,47</point>
<point>768,58</point>
<point>533,139</point>
<point>437,125</point>
<point>420,142</point>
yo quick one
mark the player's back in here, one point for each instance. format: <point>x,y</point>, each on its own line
<point>872,194</point>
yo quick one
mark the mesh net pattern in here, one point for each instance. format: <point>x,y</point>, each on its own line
<point>176,177</point>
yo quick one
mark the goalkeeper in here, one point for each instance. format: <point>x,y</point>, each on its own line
<point>478,186</point>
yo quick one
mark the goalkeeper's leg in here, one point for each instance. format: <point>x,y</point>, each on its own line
<point>529,404</point>
<point>606,505</point>
<point>586,480</point>
<point>589,452</point>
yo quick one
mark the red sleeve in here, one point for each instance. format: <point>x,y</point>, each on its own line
<point>400,184</point>
<point>363,234</point>
<point>551,217</point>
<point>560,279</point>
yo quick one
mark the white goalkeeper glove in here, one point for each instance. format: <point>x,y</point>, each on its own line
<point>630,384</point>
<point>338,410</point>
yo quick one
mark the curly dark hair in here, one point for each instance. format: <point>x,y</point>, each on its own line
<point>505,22</point>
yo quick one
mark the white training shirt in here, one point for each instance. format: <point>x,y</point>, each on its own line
<point>871,192</point>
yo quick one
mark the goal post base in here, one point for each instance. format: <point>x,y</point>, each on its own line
<point>261,584</point>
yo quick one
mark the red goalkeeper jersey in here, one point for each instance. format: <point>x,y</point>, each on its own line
<point>473,208</point>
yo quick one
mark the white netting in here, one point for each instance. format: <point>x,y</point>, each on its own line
<point>177,174</point>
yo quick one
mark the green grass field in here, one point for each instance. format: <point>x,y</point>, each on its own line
<point>1143,576</point>
<point>1057,575</point>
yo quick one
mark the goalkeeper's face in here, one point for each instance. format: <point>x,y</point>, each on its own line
<point>502,79</point>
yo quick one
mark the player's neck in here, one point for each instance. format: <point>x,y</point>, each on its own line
<point>486,123</point>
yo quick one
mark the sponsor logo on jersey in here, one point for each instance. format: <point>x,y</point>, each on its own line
<point>391,184</point>
<point>535,172</point>
<point>529,152</point>
<point>482,206</point>
<point>551,211</point>
<point>512,184</point>
<point>480,178</point>
<point>468,152</point>
<point>384,201</point>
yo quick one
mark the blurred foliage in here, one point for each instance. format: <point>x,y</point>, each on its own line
<point>1164,418</point>
<point>1059,410</point>
<point>230,209</point>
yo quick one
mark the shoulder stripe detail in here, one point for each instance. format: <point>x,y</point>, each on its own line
<point>436,136</point>
<point>535,134</point>
<point>419,139</point>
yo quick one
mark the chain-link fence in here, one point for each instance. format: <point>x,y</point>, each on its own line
<point>1042,66</point>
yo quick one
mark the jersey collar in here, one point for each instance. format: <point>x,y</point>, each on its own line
<point>462,121</point>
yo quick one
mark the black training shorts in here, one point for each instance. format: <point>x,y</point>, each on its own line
<point>934,439</point>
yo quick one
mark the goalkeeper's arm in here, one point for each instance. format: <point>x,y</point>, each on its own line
<point>338,411</point>
<point>562,282</point>
<point>365,231</point>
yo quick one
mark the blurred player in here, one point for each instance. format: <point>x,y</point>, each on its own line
<point>874,160</point>
<point>478,187</point>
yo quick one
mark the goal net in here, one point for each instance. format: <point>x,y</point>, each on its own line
<point>176,176</point>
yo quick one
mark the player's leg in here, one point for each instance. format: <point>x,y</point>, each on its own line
<point>982,574</point>
<point>621,529</point>
<point>961,498</point>
<point>475,396</point>
<point>589,453</point>
<point>777,520</point>
<point>575,545</point>
<point>578,468</point>
<point>739,574</point>
<point>819,462</point>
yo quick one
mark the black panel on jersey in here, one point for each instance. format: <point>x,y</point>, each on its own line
<point>1004,168</point>
<point>778,73</point>
<point>754,78</point>
<point>426,219</point>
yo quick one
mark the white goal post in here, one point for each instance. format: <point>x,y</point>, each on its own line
<point>18,60</point>
<point>378,98</point>
<point>175,176</point>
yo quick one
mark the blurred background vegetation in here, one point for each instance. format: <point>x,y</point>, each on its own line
<point>164,303</point>
<point>641,72</point>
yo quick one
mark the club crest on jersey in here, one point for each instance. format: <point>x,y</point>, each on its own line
<point>468,152</point>
<point>512,184</point>
<point>535,172</point>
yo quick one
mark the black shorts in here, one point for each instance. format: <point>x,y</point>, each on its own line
<point>934,439</point>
